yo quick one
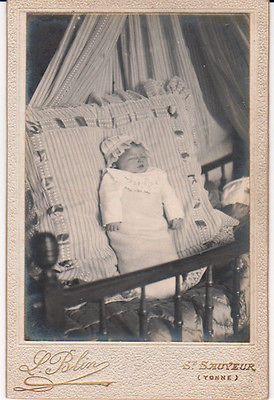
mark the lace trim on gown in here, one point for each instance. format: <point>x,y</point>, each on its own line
<point>146,182</point>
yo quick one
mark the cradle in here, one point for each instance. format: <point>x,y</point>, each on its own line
<point>58,298</point>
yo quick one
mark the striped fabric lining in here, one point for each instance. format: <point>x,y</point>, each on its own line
<point>99,54</point>
<point>64,164</point>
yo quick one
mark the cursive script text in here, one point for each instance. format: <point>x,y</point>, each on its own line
<point>46,365</point>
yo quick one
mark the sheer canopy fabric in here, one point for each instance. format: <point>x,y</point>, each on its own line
<point>154,47</point>
<point>82,57</point>
<point>103,54</point>
<point>219,49</point>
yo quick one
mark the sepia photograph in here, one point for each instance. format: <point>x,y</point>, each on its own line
<point>137,199</point>
<point>137,178</point>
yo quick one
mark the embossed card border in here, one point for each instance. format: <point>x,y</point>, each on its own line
<point>143,370</point>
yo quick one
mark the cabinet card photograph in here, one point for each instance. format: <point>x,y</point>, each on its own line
<point>137,200</point>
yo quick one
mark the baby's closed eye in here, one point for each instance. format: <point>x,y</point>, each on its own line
<point>137,158</point>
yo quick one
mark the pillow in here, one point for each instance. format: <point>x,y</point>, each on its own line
<point>236,191</point>
<point>64,165</point>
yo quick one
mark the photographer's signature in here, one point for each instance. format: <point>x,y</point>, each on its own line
<point>48,370</point>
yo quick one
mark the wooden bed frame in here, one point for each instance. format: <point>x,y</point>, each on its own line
<point>57,298</point>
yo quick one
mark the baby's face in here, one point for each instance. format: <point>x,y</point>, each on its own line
<point>133,159</point>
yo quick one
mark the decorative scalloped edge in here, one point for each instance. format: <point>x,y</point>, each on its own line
<point>152,88</point>
<point>34,132</point>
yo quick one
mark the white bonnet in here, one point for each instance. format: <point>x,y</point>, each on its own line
<point>114,146</point>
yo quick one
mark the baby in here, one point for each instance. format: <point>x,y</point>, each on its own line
<point>138,205</point>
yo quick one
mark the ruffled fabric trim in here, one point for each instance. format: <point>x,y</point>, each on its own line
<point>104,114</point>
<point>146,182</point>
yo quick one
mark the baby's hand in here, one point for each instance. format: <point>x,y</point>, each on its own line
<point>176,223</point>
<point>114,226</point>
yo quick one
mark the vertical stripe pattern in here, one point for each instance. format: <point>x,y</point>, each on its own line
<point>103,53</point>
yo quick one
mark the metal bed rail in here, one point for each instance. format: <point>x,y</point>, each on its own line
<point>57,298</point>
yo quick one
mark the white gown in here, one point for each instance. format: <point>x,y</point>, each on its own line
<point>142,202</point>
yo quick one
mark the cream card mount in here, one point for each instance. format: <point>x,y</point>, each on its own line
<point>185,314</point>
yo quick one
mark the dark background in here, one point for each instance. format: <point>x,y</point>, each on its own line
<point>44,33</point>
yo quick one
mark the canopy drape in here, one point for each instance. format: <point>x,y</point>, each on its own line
<point>101,54</point>
<point>154,47</point>
<point>82,57</point>
<point>219,49</point>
